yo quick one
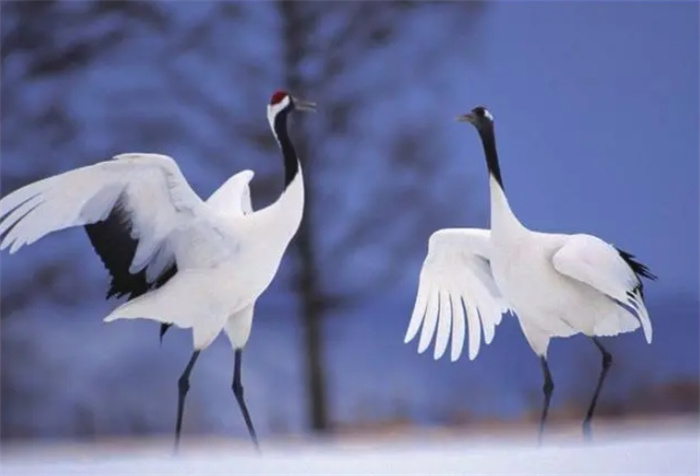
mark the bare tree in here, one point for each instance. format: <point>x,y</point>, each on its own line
<point>319,61</point>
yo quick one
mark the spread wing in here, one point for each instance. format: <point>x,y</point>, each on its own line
<point>233,197</point>
<point>456,284</point>
<point>131,207</point>
<point>613,272</point>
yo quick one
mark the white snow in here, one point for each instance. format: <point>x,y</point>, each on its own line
<point>668,452</point>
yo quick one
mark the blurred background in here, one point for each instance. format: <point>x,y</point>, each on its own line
<point>596,106</point>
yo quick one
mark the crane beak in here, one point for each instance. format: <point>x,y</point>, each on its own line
<point>466,118</point>
<point>303,105</point>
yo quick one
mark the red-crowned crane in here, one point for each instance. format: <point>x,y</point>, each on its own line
<point>557,284</point>
<point>180,260</point>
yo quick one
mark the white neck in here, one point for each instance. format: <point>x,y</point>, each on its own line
<point>285,214</point>
<point>503,220</point>
<point>291,202</point>
<point>272,111</point>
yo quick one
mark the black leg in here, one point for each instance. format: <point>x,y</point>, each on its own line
<point>163,329</point>
<point>607,361</point>
<point>183,385</point>
<point>237,387</point>
<point>547,388</point>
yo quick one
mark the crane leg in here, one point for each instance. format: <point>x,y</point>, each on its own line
<point>607,362</point>
<point>183,385</point>
<point>547,388</point>
<point>237,388</point>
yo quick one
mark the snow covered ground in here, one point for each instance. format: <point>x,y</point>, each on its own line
<point>672,451</point>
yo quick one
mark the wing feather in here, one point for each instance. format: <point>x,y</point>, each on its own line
<point>152,187</point>
<point>474,327</point>
<point>418,313</point>
<point>600,265</point>
<point>456,286</point>
<point>233,197</point>
<point>130,206</point>
<point>430,320</point>
<point>444,327</point>
<point>458,327</point>
<point>17,214</point>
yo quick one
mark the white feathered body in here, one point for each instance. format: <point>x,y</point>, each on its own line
<point>222,274</point>
<point>211,292</point>
<point>226,254</point>
<point>546,302</point>
<point>558,285</point>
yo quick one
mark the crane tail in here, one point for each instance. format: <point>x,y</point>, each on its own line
<point>185,302</point>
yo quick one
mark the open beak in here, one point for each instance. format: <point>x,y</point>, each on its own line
<point>302,105</point>
<point>466,118</point>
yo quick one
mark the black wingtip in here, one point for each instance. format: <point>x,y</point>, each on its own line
<point>639,269</point>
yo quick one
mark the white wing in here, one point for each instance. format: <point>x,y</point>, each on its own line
<point>149,189</point>
<point>233,197</point>
<point>456,283</point>
<point>598,264</point>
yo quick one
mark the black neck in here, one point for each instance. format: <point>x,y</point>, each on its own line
<point>291,162</point>
<point>488,139</point>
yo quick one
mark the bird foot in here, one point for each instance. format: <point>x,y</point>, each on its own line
<point>587,434</point>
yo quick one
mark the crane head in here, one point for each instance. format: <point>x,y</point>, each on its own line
<point>479,117</point>
<point>283,101</point>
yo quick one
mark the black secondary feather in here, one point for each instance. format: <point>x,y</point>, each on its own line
<point>641,270</point>
<point>112,241</point>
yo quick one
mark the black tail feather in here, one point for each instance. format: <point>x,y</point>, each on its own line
<point>641,270</point>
